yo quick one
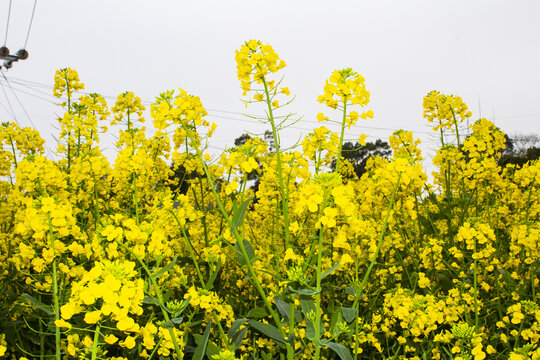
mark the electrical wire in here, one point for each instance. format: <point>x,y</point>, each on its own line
<point>31,82</point>
<point>24,110</point>
<point>18,100</point>
<point>7,23</point>
<point>34,95</point>
<point>30,85</point>
<point>38,84</point>
<point>212,114</point>
<point>7,110</point>
<point>9,103</point>
<point>30,26</point>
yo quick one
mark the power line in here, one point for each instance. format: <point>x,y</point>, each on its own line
<point>9,103</point>
<point>18,100</point>
<point>30,26</point>
<point>230,112</point>
<point>7,110</point>
<point>211,112</point>
<point>32,82</point>
<point>517,116</point>
<point>7,23</point>
<point>24,110</point>
<point>34,95</point>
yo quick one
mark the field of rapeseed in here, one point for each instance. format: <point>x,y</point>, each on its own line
<point>116,261</point>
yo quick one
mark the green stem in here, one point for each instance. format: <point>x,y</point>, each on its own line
<point>135,198</point>
<point>291,317</point>
<point>224,337</point>
<point>191,249</point>
<point>203,219</point>
<point>68,94</point>
<point>318,282</point>
<point>13,150</point>
<point>96,202</point>
<point>442,134</point>
<point>529,199</point>
<point>342,133</point>
<point>475,293</point>
<point>55,292</point>
<point>379,244</point>
<point>372,264</point>
<point>69,151</point>
<point>159,296</point>
<point>457,130</point>
<point>533,277</point>
<point>95,343</point>
<point>78,142</point>
<point>41,340</point>
<point>240,242</point>
<point>318,300</point>
<point>282,189</point>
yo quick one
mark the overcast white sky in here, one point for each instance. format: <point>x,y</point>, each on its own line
<point>487,52</point>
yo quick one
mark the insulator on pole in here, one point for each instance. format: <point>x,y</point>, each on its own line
<point>4,51</point>
<point>22,54</point>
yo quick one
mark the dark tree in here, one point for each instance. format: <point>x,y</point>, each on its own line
<point>520,149</point>
<point>358,155</point>
<point>254,175</point>
<point>241,140</point>
<point>179,180</point>
<point>268,137</point>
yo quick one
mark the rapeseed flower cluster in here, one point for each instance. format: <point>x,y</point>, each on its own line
<point>254,61</point>
<point>447,110</point>
<point>169,252</point>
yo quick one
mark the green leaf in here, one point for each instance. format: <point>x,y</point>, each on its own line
<point>305,292</point>
<point>201,348</point>
<point>239,213</point>
<point>235,326</point>
<point>46,308</point>
<point>283,308</point>
<point>257,313</point>
<point>166,268</point>
<point>329,271</point>
<point>349,314</point>
<point>310,330</point>
<point>445,281</point>
<point>343,352</point>
<point>506,276</point>
<point>150,301</point>
<point>349,290</point>
<point>268,330</point>
<point>168,325</point>
<point>213,276</point>
<point>167,295</point>
<point>211,348</point>
<point>237,336</point>
<point>172,323</point>
<point>336,319</point>
<point>308,306</point>
<point>249,251</point>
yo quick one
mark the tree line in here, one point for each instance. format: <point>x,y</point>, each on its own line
<point>519,150</point>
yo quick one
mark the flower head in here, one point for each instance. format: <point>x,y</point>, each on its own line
<point>255,60</point>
